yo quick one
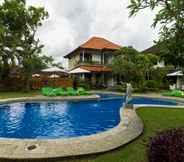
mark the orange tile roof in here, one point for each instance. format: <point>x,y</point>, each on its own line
<point>96,68</point>
<point>99,43</point>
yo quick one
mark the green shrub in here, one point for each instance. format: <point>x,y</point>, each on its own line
<point>139,89</point>
<point>167,146</point>
<point>117,88</point>
<point>146,86</point>
<point>152,84</point>
<point>84,84</point>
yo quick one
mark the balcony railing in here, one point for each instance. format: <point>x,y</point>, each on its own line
<point>90,62</point>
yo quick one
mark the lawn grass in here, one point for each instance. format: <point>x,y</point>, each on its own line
<point>155,119</point>
<point>4,95</point>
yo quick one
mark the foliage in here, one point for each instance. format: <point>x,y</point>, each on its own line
<point>124,64</point>
<point>167,146</point>
<point>132,66</point>
<point>48,61</point>
<point>117,88</point>
<point>128,53</point>
<point>146,63</point>
<point>170,16</point>
<point>38,63</point>
<point>18,43</point>
<point>152,84</point>
<point>160,75</point>
<point>83,83</point>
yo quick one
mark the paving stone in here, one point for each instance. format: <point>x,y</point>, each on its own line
<point>128,129</point>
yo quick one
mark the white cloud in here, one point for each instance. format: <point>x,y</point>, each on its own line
<point>72,22</point>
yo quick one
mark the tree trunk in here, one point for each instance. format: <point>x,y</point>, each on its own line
<point>27,82</point>
<point>5,69</point>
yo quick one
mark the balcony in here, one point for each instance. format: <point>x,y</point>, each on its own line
<point>89,62</point>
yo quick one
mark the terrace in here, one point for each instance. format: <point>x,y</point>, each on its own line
<point>149,115</point>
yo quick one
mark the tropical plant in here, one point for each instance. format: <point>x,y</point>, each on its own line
<point>18,42</point>
<point>170,16</point>
<point>167,146</point>
<point>124,65</point>
<point>132,66</point>
<point>146,62</point>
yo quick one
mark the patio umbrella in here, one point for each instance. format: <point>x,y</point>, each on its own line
<point>54,76</point>
<point>36,75</point>
<point>54,70</point>
<point>79,71</point>
<point>178,75</point>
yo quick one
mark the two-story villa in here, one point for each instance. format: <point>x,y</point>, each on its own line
<point>89,61</point>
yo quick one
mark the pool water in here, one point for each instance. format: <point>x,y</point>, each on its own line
<point>50,120</point>
<point>152,101</point>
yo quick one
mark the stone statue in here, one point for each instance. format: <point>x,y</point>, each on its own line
<point>128,95</point>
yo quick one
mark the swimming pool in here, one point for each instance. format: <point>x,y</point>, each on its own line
<point>64,119</point>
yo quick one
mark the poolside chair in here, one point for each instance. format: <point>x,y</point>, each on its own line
<point>175,93</point>
<point>81,91</point>
<point>47,91</point>
<point>71,92</point>
<point>60,92</point>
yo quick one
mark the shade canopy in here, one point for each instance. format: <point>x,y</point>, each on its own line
<point>36,75</point>
<point>54,69</point>
<point>54,76</point>
<point>79,71</point>
<point>177,73</point>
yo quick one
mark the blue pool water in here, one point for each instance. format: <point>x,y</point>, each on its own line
<point>39,120</point>
<point>143,100</point>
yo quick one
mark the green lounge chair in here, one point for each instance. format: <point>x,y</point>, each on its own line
<point>175,93</point>
<point>60,92</point>
<point>81,91</point>
<point>47,91</point>
<point>71,92</point>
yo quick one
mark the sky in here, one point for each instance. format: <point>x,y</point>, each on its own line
<point>72,22</point>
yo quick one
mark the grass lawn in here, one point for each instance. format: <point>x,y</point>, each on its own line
<point>155,119</point>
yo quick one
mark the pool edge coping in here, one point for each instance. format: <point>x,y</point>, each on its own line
<point>44,98</point>
<point>129,128</point>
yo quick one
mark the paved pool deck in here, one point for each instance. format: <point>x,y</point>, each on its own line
<point>44,98</point>
<point>129,128</point>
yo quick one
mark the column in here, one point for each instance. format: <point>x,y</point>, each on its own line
<point>83,56</point>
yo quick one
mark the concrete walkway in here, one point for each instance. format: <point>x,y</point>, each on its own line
<point>129,128</point>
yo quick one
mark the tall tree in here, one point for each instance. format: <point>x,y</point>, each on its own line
<point>170,15</point>
<point>18,42</point>
<point>124,65</point>
<point>146,62</point>
<point>132,66</point>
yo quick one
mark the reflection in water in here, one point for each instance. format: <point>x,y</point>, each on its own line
<point>58,119</point>
<point>64,119</point>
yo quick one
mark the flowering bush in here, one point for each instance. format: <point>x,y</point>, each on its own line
<point>167,146</point>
